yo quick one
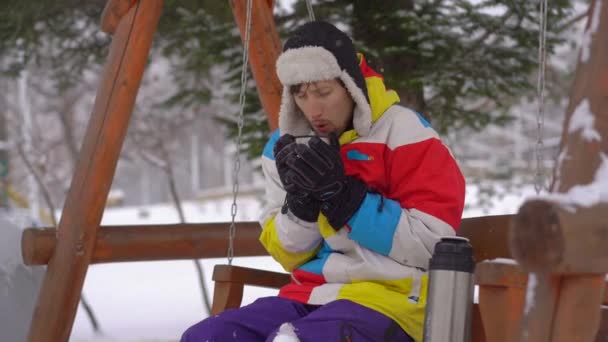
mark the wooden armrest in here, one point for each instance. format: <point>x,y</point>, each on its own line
<point>502,290</point>
<point>500,273</point>
<point>250,276</point>
<point>230,280</point>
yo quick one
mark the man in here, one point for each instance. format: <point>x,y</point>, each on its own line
<point>359,190</point>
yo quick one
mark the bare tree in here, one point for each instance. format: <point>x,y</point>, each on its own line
<point>151,140</point>
<point>156,137</point>
<point>44,161</point>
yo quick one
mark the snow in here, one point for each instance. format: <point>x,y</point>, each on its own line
<point>583,119</point>
<point>586,195</point>
<point>286,333</point>
<point>157,301</point>
<point>587,36</point>
<point>505,261</point>
<point>18,283</point>
<point>563,156</point>
<point>530,292</point>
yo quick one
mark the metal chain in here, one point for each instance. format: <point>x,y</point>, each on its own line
<point>311,13</point>
<point>240,123</point>
<point>540,118</point>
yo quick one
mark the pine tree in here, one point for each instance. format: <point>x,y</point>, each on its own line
<point>442,57</point>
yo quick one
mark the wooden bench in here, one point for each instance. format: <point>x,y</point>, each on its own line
<point>502,284</point>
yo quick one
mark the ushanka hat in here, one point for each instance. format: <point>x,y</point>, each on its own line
<point>318,51</point>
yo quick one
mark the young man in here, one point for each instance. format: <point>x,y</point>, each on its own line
<point>354,208</point>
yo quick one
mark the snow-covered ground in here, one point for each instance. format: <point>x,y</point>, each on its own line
<point>157,301</point>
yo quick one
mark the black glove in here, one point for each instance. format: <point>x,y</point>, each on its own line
<point>299,203</point>
<point>317,169</point>
<point>283,148</point>
<point>302,206</point>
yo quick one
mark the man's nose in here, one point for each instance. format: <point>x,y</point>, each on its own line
<point>316,109</point>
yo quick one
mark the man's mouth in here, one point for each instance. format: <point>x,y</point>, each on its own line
<point>322,127</point>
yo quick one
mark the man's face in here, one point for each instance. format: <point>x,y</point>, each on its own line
<point>327,106</point>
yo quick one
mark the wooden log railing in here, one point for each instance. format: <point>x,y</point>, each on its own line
<point>210,240</point>
<point>153,242</point>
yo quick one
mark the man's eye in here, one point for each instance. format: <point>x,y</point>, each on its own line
<point>325,93</point>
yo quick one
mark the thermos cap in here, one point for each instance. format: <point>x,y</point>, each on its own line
<point>453,254</point>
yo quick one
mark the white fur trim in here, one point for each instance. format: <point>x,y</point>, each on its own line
<point>362,114</point>
<point>307,64</point>
<point>291,119</point>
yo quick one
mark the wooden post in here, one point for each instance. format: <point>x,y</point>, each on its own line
<point>502,289</point>
<point>566,233</point>
<point>77,231</point>
<point>578,313</point>
<point>541,301</point>
<point>114,11</point>
<point>264,49</point>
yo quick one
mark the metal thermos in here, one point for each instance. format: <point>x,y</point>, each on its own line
<point>450,292</point>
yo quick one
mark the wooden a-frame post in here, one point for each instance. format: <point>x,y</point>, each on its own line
<point>76,235</point>
<point>133,24</point>
<point>264,49</point>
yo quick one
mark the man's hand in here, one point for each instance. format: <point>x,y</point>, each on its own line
<point>283,148</point>
<point>299,203</point>
<point>317,169</point>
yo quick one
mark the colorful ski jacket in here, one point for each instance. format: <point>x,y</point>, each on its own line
<point>379,259</point>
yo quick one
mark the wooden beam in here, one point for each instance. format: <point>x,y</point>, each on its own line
<point>113,13</point>
<point>210,240</point>
<point>77,232</point>
<point>155,242</point>
<point>264,49</point>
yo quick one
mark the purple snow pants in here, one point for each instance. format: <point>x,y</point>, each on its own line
<point>340,321</point>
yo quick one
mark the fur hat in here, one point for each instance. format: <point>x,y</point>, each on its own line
<point>319,51</point>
